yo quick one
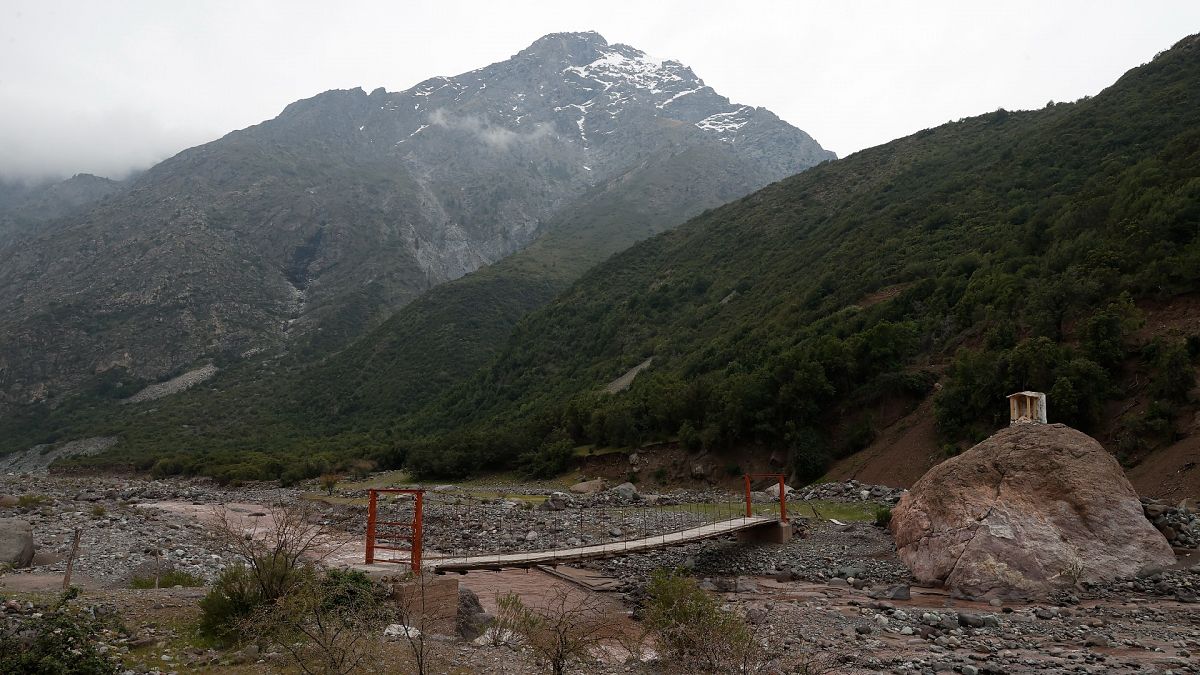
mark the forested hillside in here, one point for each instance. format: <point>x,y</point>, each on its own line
<point>1001,252</point>
<point>1010,247</point>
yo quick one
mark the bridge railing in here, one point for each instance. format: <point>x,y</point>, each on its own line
<point>449,522</point>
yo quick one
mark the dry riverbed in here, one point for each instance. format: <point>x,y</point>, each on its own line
<point>838,593</point>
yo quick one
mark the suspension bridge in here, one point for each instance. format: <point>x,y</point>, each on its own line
<point>425,532</point>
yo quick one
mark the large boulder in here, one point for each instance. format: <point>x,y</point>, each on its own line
<point>625,491</point>
<point>1033,508</point>
<point>16,542</point>
<point>588,487</point>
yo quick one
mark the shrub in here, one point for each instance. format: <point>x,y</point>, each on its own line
<point>32,501</point>
<point>563,630</point>
<point>327,623</point>
<point>883,516</point>
<point>62,639</point>
<point>99,511</point>
<point>171,579</point>
<point>233,597</point>
<point>691,628</point>
<point>328,482</point>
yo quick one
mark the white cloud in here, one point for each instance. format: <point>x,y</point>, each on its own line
<point>107,87</point>
<point>495,136</point>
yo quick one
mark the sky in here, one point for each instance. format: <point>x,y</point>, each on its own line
<point>113,87</point>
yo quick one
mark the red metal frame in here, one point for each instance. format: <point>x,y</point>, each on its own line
<point>415,538</point>
<point>783,518</point>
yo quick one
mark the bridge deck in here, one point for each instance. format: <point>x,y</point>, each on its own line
<point>567,555</point>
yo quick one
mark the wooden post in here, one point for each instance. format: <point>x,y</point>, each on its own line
<point>749,501</point>
<point>71,561</point>
<point>374,496</point>
<point>418,517</point>
<point>782,500</point>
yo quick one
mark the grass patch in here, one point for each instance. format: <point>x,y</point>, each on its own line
<point>168,580</point>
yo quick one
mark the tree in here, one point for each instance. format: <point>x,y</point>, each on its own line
<point>328,624</point>
<point>567,628</point>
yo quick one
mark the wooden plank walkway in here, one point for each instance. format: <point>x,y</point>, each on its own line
<point>616,548</point>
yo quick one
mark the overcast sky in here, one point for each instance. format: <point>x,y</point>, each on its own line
<point>106,87</point>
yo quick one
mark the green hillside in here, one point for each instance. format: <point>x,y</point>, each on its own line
<point>252,417</point>
<point>1013,239</point>
<point>1000,252</point>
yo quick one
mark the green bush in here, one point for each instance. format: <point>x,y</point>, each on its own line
<point>692,630</point>
<point>233,597</point>
<point>883,516</point>
<point>168,580</point>
<point>62,640</point>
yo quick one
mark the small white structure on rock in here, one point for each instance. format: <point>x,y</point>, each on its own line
<point>1027,406</point>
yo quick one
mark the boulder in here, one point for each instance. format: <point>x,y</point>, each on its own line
<point>471,621</point>
<point>16,542</point>
<point>625,491</point>
<point>699,471</point>
<point>773,491</point>
<point>588,487</point>
<point>8,501</point>
<point>557,501</point>
<point>1033,508</point>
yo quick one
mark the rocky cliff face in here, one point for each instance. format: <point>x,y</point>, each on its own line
<point>302,231</point>
<point>25,205</point>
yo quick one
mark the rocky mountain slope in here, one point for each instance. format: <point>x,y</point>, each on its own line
<point>24,205</point>
<point>302,232</point>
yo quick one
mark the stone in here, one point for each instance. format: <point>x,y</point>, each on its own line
<point>16,542</point>
<point>557,501</point>
<point>772,491</point>
<point>626,491</point>
<point>8,501</point>
<point>745,585</point>
<point>699,471</point>
<point>531,536</point>
<point>399,630</point>
<point>900,592</point>
<point>471,621</point>
<point>1033,508</point>
<point>588,487</point>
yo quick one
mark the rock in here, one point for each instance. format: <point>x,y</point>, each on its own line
<point>588,487</point>
<point>900,592</point>
<point>399,630</point>
<point>16,542</point>
<point>699,471</point>
<point>8,501</point>
<point>471,621</point>
<point>557,501</point>
<point>1032,508</point>
<point>626,491</point>
<point>756,616</point>
<point>531,536</point>
<point>773,491</point>
<point>745,585</point>
<point>970,620</point>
